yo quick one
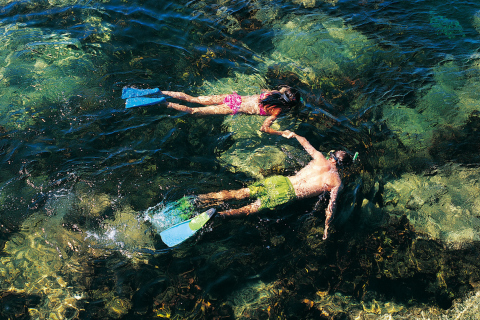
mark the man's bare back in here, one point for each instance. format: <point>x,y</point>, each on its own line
<point>318,176</point>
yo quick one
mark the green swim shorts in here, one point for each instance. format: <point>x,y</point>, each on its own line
<point>272,191</point>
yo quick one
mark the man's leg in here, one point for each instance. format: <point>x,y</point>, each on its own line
<point>227,194</point>
<point>248,209</point>
<point>224,195</point>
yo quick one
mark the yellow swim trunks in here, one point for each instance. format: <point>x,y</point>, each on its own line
<point>272,191</point>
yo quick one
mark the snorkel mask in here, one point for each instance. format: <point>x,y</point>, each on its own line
<point>289,96</point>
<point>331,154</point>
<point>284,96</point>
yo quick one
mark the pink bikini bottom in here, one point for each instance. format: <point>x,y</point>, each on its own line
<point>233,101</point>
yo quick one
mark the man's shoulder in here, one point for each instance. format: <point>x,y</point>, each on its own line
<point>334,179</point>
<point>337,179</point>
<point>321,161</point>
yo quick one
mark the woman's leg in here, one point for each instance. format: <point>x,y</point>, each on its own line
<point>221,109</point>
<point>218,109</point>
<point>205,100</point>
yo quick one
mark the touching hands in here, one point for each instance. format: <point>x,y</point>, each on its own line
<point>288,134</point>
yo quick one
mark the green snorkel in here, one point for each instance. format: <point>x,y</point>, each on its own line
<point>355,157</point>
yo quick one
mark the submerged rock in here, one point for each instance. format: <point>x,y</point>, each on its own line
<point>448,27</point>
<point>43,260</point>
<point>447,104</point>
<point>125,232</point>
<point>39,70</point>
<point>476,21</point>
<point>253,152</point>
<point>444,206</point>
<point>50,256</point>
<point>324,52</point>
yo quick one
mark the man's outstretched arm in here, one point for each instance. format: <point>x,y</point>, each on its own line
<point>314,153</point>
<point>330,210</point>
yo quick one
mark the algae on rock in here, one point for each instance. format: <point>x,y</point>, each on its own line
<point>38,70</point>
<point>320,50</point>
<point>44,259</point>
<point>253,152</point>
<point>125,232</point>
<point>444,206</point>
<point>446,104</point>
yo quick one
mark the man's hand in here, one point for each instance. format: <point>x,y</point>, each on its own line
<point>325,233</point>
<point>288,134</point>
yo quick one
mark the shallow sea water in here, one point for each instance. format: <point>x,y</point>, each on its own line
<point>84,182</point>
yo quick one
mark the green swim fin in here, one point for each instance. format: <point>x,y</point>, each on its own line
<point>182,231</point>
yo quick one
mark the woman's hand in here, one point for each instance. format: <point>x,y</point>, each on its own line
<point>288,134</point>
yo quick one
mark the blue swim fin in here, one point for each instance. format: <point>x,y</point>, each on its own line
<point>133,92</point>
<point>182,231</point>
<point>139,102</point>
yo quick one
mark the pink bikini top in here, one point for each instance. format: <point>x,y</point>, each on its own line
<point>262,110</point>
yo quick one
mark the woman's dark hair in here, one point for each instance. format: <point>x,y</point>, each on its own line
<point>287,100</point>
<point>343,159</point>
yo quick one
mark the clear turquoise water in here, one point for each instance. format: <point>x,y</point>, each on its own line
<point>396,81</point>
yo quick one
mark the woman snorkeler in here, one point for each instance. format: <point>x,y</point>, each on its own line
<point>271,104</point>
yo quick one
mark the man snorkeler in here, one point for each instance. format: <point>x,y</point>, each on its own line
<point>318,176</point>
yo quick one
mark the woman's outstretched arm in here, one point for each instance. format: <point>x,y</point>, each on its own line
<point>266,126</point>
